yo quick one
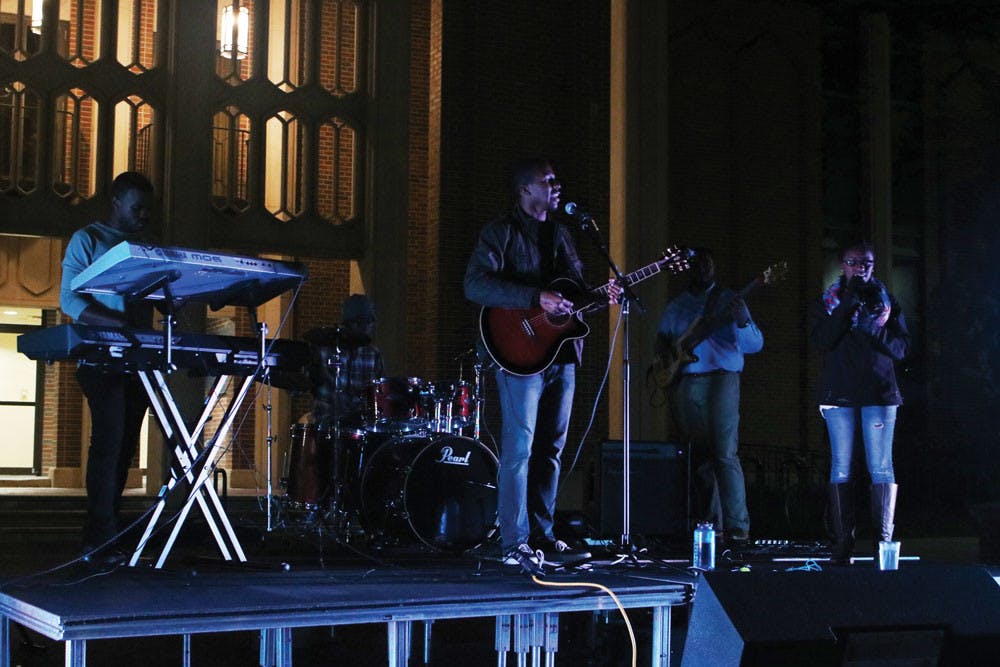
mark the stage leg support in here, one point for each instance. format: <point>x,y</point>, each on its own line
<point>534,634</point>
<point>400,636</point>
<point>5,645</point>
<point>276,647</point>
<point>502,640</point>
<point>186,650</point>
<point>522,638</point>
<point>661,636</point>
<point>428,627</point>
<point>549,626</point>
<point>76,653</point>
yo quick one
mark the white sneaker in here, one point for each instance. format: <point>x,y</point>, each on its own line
<point>557,552</point>
<point>526,557</point>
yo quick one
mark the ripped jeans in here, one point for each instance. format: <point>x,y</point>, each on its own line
<point>877,425</point>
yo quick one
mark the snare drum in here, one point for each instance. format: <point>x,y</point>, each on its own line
<point>440,490</point>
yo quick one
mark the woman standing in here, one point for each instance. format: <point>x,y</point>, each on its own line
<point>860,330</point>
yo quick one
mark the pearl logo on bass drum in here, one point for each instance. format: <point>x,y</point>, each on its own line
<point>448,457</point>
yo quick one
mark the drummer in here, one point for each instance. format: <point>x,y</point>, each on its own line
<point>347,362</point>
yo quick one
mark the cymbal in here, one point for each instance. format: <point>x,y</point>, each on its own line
<point>325,336</point>
<point>336,336</point>
<point>294,381</point>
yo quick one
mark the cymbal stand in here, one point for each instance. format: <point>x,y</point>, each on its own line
<point>337,484</point>
<point>478,400</point>
<point>269,440</point>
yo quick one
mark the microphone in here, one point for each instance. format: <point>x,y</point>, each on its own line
<point>572,210</point>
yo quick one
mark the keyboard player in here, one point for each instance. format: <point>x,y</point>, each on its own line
<point>117,401</point>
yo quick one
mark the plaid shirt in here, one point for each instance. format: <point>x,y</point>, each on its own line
<point>363,365</point>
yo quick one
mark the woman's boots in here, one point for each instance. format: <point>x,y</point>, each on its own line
<point>841,523</point>
<point>883,512</point>
<point>883,505</point>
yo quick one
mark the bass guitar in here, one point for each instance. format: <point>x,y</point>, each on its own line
<point>525,341</point>
<point>666,366</point>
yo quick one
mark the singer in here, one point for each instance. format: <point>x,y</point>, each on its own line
<point>516,258</point>
<point>860,329</point>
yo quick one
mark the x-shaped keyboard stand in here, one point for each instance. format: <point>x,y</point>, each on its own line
<point>194,464</point>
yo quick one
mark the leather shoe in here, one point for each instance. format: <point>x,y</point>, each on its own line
<point>107,558</point>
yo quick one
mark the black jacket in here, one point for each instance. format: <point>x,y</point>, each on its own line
<point>858,366</point>
<point>506,269</point>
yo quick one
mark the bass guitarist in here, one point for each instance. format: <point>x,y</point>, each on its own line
<point>704,333</point>
<point>515,259</point>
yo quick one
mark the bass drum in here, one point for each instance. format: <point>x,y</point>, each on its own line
<point>440,490</point>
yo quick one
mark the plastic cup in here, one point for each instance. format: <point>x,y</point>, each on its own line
<point>888,555</point>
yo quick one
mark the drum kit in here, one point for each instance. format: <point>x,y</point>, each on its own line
<point>406,469</point>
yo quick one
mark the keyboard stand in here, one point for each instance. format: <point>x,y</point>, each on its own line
<point>194,464</point>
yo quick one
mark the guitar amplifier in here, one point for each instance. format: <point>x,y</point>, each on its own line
<point>658,489</point>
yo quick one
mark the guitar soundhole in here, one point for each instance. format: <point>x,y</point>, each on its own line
<point>557,320</point>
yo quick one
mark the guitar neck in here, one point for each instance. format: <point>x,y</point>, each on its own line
<point>750,286</point>
<point>636,276</point>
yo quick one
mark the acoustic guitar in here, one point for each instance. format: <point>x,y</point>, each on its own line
<point>666,366</point>
<point>525,341</point>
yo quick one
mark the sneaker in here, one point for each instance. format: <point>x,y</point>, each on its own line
<point>557,552</point>
<point>524,556</point>
<point>736,539</point>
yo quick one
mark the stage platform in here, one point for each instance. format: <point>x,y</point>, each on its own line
<point>75,606</point>
<point>302,593</point>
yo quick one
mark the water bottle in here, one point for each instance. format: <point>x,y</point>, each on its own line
<point>704,547</point>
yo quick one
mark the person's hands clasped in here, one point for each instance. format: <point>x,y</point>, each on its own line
<point>851,295</point>
<point>554,303</point>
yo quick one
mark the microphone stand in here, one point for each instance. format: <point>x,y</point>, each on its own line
<point>628,297</point>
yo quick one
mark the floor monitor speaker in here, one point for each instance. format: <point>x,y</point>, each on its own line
<point>854,616</point>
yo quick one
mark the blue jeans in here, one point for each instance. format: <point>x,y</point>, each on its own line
<point>707,410</point>
<point>536,411</point>
<point>878,422</point>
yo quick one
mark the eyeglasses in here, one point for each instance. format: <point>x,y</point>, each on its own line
<point>862,263</point>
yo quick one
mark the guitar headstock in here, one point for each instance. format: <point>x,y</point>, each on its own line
<point>675,260</point>
<point>774,273</point>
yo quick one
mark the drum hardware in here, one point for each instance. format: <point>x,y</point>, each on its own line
<point>478,400</point>
<point>269,439</point>
<point>443,420</point>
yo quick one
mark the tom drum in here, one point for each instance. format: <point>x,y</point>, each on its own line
<point>309,464</point>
